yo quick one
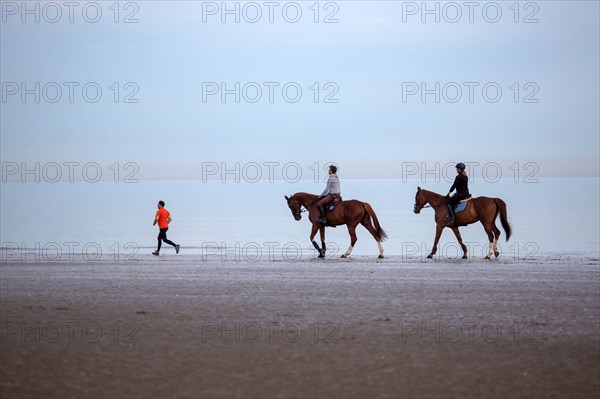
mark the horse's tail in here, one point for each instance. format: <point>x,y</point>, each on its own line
<point>501,208</point>
<point>380,233</point>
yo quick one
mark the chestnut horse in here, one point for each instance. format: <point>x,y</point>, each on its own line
<point>482,209</point>
<point>350,213</point>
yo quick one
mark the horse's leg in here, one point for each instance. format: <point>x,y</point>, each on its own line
<point>496,231</point>
<point>438,234</point>
<point>373,232</point>
<point>460,241</point>
<point>352,232</point>
<point>313,233</point>
<point>322,231</point>
<point>490,234</point>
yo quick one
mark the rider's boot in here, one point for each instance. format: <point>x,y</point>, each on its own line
<point>450,217</point>
<point>321,218</point>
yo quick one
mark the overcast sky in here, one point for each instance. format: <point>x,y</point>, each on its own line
<point>368,68</point>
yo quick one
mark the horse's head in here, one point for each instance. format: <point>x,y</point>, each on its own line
<point>420,201</point>
<point>294,206</point>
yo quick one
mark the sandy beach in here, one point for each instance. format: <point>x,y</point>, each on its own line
<point>181,326</point>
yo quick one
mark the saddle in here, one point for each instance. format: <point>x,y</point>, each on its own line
<point>462,204</point>
<point>330,207</point>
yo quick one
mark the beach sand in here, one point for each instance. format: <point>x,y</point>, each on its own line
<point>180,326</point>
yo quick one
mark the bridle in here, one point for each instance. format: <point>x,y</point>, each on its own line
<point>424,206</point>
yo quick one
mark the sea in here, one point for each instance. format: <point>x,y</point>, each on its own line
<point>251,220</point>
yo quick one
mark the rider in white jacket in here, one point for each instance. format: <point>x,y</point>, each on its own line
<point>330,193</point>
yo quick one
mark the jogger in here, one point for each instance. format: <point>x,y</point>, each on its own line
<point>163,218</point>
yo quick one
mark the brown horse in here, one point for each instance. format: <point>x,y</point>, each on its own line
<point>350,213</point>
<point>482,209</point>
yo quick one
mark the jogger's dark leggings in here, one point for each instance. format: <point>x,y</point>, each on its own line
<point>162,236</point>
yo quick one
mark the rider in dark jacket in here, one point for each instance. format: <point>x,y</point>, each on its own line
<point>461,184</point>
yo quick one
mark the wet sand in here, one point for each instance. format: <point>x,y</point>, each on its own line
<point>181,327</point>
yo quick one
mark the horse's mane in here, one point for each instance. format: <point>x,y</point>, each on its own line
<point>304,194</point>
<point>432,192</point>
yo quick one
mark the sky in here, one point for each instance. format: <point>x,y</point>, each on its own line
<point>504,84</point>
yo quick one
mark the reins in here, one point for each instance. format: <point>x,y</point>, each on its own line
<point>311,204</point>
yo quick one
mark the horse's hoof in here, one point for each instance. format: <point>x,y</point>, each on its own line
<point>497,254</point>
<point>487,257</point>
<point>343,256</point>
<point>321,256</point>
<point>429,256</point>
<point>380,257</point>
<point>465,257</point>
